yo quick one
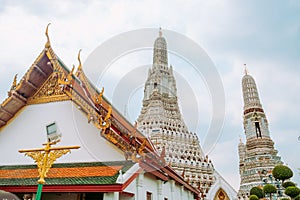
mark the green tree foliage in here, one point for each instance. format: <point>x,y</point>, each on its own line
<point>292,191</point>
<point>282,172</point>
<point>288,183</point>
<point>253,197</point>
<point>297,197</point>
<point>269,189</point>
<point>257,191</point>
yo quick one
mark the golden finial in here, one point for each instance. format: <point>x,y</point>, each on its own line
<point>47,45</point>
<point>160,32</point>
<point>79,66</point>
<point>246,70</point>
<point>13,86</point>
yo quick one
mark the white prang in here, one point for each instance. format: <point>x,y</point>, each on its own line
<point>160,120</point>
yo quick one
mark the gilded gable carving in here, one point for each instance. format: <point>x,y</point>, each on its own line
<point>49,92</point>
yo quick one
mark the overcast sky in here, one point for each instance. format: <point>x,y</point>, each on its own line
<point>263,34</point>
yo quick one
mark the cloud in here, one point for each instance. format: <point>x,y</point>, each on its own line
<point>225,163</point>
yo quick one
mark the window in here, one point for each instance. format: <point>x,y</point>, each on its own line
<point>257,129</point>
<point>149,196</point>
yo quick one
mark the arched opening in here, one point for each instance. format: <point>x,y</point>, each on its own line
<point>221,195</point>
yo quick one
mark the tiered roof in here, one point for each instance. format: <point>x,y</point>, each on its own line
<point>91,173</point>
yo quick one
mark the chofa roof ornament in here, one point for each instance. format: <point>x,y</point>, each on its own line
<point>47,45</point>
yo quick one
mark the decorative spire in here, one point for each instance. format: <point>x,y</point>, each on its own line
<point>246,70</point>
<point>160,56</point>
<point>160,32</point>
<point>47,45</point>
<point>250,93</point>
<point>255,121</point>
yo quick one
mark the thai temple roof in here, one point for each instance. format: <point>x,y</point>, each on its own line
<point>50,80</point>
<point>91,173</point>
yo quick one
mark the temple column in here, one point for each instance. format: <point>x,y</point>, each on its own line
<point>159,189</point>
<point>172,184</point>
<point>140,193</point>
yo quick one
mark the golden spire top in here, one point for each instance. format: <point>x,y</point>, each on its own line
<point>80,65</point>
<point>47,45</point>
<point>14,85</point>
<point>160,32</point>
<point>246,70</point>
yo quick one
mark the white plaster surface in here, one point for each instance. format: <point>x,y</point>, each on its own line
<point>27,130</point>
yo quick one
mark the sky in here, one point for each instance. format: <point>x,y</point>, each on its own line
<point>263,34</point>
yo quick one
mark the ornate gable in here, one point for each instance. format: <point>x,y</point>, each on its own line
<point>49,92</point>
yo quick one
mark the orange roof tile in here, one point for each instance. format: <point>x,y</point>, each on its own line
<point>94,171</point>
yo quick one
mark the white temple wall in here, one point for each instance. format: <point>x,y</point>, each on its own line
<point>149,183</point>
<point>27,130</point>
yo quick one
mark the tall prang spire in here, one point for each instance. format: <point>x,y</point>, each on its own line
<point>161,85</point>
<point>160,120</point>
<point>255,121</point>
<point>258,154</point>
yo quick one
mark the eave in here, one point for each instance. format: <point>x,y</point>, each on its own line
<point>28,85</point>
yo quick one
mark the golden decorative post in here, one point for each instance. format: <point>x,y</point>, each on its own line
<point>44,158</point>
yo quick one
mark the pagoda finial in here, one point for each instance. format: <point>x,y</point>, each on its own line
<point>47,45</point>
<point>246,70</point>
<point>160,32</point>
<point>80,65</point>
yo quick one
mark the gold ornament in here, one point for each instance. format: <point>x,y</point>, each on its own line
<point>45,157</point>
